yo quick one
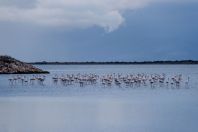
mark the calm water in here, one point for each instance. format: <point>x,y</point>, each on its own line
<point>56,108</point>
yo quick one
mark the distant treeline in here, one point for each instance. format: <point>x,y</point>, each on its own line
<point>115,62</point>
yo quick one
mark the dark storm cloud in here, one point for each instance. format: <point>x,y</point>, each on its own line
<point>18,3</point>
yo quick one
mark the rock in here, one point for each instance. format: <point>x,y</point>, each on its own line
<point>9,65</point>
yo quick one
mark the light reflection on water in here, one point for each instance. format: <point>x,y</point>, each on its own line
<point>51,108</point>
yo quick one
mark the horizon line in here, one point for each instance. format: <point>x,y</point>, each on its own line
<point>119,62</point>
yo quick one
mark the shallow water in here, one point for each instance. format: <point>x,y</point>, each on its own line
<point>58,108</point>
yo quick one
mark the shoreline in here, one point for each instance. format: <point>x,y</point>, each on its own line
<point>118,63</point>
<point>44,72</point>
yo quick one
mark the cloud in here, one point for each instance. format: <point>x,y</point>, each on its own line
<point>18,3</point>
<point>69,13</point>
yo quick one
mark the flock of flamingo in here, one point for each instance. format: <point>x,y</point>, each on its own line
<point>132,80</point>
<point>27,80</point>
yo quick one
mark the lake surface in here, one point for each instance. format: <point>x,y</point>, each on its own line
<point>58,108</point>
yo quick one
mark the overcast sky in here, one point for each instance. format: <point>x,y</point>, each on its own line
<point>99,30</point>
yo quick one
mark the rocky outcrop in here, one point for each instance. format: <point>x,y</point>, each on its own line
<point>9,65</point>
